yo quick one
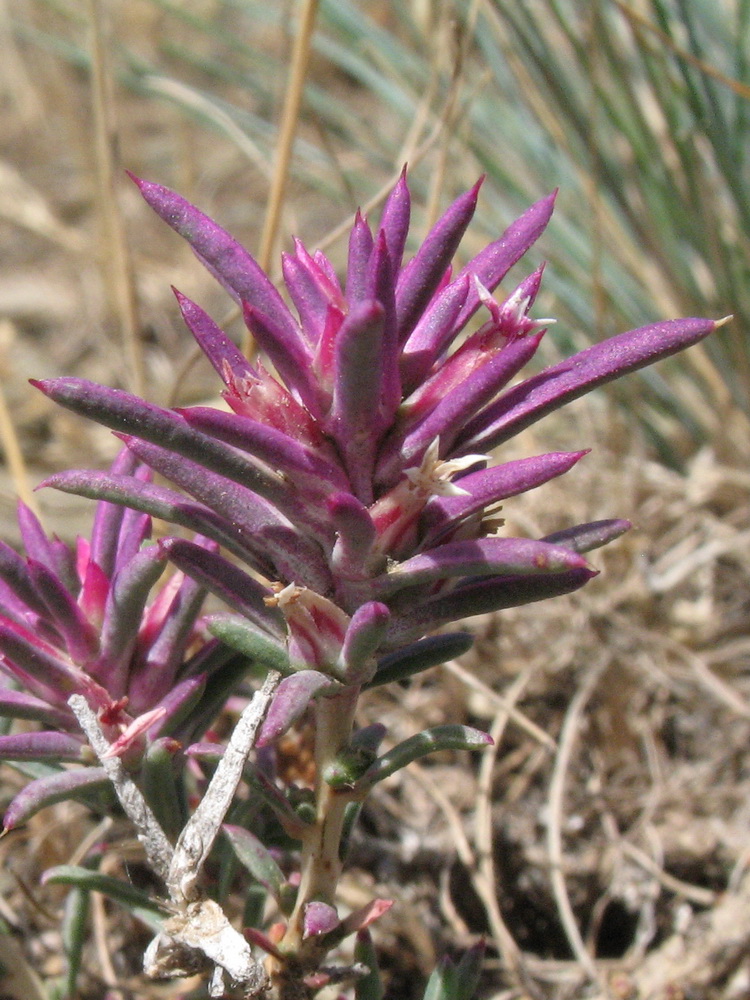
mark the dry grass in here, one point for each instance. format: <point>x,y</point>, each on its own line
<point>601,845</point>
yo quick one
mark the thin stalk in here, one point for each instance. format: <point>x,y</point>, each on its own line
<point>13,453</point>
<point>321,863</point>
<point>289,119</point>
<point>120,276</point>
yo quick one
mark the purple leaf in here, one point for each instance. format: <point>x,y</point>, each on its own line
<point>19,705</point>
<point>571,378</point>
<point>489,486</point>
<point>394,222</point>
<point>105,531</point>
<point>43,549</point>
<point>310,290</point>
<point>133,416</point>
<point>486,556</point>
<point>222,352</point>
<point>81,638</point>
<point>355,536</point>
<point>292,697</point>
<point>433,332</point>
<point>381,289</point>
<point>239,590</point>
<point>366,631</point>
<point>42,669</point>
<point>227,258</point>
<point>263,529</point>
<point>479,597</point>
<point>422,655</point>
<point>50,789</point>
<point>493,263</point>
<point>357,419</point>
<point>43,746</point>
<point>271,446</point>
<point>126,600</point>
<point>361,243</point>
<point>420,278</point>
<point>288,352</point>
<point>14,571</point>
<point>178,702</point>
<point>480,382</point>
<point>319,918</point>
<point>158,501</point>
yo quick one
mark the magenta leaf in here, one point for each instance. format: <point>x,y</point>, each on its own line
<point>292,697</point>
<point>52,788</point>
<point>571,378</point>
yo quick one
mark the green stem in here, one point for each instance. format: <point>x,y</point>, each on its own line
<point>321,863</point>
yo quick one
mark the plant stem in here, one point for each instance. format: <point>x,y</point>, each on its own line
<point>321,863</point>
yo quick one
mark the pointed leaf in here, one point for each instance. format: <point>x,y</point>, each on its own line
<point>419,279</point>
<point>105,531</point>
<point>20,705</point>
<point>264,652</point>
<point>486,556</point>
<point>241,591</point>
<point>271,446</point>
<point>158,501</point>
<point>292,697</point>
<point>256,858</point>
<point>282,549</point>
<point>571,378</point>
<point>394,222</point>
<point>228,259</point>
<point>48,670</point>
<point>122,892</point>
<point>52,788</point>
<point>489,486</point>
<point>127,598</point>
<point>585,537</point>
<point>219,349</point>
<point>130,415</point>
<point>43,746</point>
<point>422,655</point>
<point>480,597</point>
<point>14,571</point>
<point>449,737</point>
<point>81,638</point>
<point>492,264</point>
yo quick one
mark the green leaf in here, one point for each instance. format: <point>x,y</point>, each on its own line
<point>138,902</point>
<point>450,737</point>
<point>256,858</point>
<point>369,987</point>
<point>74,925</point>
<point>263,652</point>
<point>456,982</point>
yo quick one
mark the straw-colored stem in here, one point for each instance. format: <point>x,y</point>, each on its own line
<point>115,253</point>
<point>321,862</point>
<point>14,456</point>
<point>288,128</point>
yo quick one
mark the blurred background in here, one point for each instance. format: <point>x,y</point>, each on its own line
<point>638,112</point>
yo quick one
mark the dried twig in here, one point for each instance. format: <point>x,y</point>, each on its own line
<point>554,827</point>
<point>199,935</point>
